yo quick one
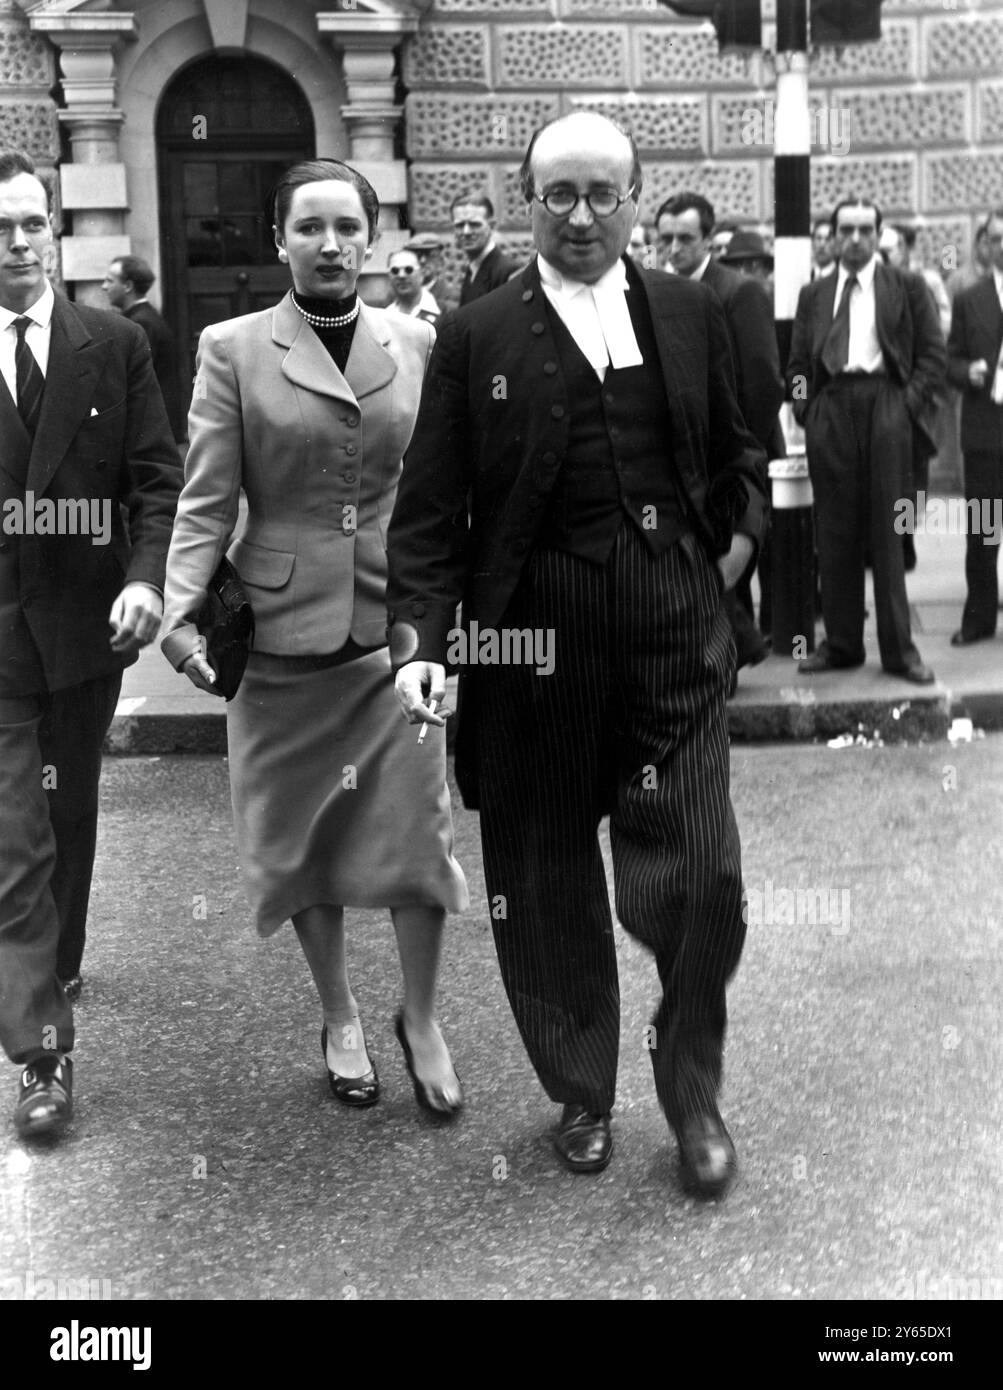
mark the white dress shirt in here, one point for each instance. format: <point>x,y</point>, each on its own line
<point>596,315</point>
<point>865,353</point>
<point>37,336</point>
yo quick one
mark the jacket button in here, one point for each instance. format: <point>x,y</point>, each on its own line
<point>538,328</point>
<point>550,368</point>
<point>418,609</point>
<point>350,449</point>
<point>527,295</point>
<point>350,420</point>
<point>557,412</point>
<point>348,477</point>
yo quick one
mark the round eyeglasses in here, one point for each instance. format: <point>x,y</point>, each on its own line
<point>601,202</point>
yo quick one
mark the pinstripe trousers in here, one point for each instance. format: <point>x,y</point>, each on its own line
<point>632,723</point>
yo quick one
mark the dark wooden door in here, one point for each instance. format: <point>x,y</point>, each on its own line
<point>230,127</point>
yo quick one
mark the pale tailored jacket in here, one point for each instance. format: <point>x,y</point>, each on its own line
<point>318,454</point>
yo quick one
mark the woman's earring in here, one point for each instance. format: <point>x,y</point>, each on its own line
<point>283,256</point>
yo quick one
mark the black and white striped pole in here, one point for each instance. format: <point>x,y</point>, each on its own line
<point>791,495</point>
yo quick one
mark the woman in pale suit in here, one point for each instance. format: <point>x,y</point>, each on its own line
<point>309,407</point>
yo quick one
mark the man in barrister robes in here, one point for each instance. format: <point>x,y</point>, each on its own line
<point>580,471</point>
<point>83,433</point>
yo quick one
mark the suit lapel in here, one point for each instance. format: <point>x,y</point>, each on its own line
<point>369,366</point>
<point>672,336</point>
<point>888,297</point>
<point>14,437</point>
<point>307,362</point>
<point>825,309</point>
<point>74,369</point>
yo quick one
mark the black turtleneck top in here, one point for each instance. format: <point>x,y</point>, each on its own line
<point>337,341</point>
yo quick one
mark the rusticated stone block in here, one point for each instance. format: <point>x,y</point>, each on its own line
<point>571,56</point>
<point>498,8</point>
<point>448,55</point>
<point>687,57</point>
<point>961,44</point>
<point>667,124</point>
<point>734,188</point>
<point>895,57</point>
<point>26,59</point>
<point>945,243</point>
<point>892,180</point>
<point>433,188</point>
<point>906,119</point>
<point>990,108</point>
<point>514,211</point>
<point>955,180</point>
<point>483,126</point>
<point>30,126</point>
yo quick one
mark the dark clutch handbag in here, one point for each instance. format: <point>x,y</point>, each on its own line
<point>226,621</point>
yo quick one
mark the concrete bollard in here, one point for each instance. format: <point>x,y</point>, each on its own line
<point>793,524</point>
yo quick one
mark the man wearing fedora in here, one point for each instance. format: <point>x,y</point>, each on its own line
<point>685,224</point>
<point>746,252</point>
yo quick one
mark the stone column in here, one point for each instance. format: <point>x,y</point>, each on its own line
<point>368,44</point>
<point>93,183</point>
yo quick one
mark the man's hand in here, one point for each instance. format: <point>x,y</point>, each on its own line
<point>977,373</point>
<point>732,565</point>
<point>416,683</point>
<point>135,618</point>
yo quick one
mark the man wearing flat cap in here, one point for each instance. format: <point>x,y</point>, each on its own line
<point>428,247</point>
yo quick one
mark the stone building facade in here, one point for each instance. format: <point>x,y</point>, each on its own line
<point>163,120</point>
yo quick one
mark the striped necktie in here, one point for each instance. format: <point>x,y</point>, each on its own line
<point>30,381</point>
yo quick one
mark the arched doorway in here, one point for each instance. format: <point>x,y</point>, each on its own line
<point>226,128</point>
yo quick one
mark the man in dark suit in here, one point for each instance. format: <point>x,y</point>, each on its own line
<point>127,284</point>
<point>685,225</point>
<point>975,366</point>
<point>866,361</point>
<point>83,433</point>
<point>488,267</point>
<point>581,477</point>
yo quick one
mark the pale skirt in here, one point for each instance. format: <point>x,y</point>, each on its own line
<point>334,800</point>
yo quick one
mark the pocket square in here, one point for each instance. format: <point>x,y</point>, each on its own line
<point>93,411</point>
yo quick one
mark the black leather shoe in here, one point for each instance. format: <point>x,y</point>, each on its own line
<point>351,1090</point>
<point>961,639</point>
<point>72,987</point>
<point>583,1140</point>
<point>823,660</point>
<point>45,1097</point>
<point>423,1094</point>
<point>918,674</point>
<point>707,1161</point>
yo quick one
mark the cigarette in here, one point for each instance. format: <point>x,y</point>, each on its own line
<point>424,727</point>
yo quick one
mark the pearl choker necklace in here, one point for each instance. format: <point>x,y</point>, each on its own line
<point>322,321</point>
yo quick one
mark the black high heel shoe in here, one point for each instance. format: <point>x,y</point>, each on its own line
<point>351,1090</point>
<point>422,1093</point>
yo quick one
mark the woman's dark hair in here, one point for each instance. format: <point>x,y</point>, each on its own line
<point>318,171</point>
